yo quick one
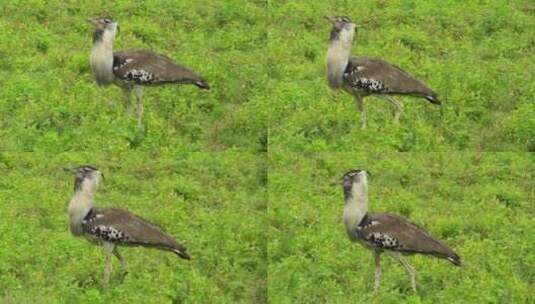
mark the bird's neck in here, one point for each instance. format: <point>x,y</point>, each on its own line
<point>338,57</point>
<point>356,205</point>
<point>102,57</point>
<point>79,206</point>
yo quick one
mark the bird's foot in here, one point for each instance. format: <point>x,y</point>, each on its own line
<point>141,126</point>
<point>123,275</point>
<point>363,121</point>
<point>129,111</point>
<point>397,116</point>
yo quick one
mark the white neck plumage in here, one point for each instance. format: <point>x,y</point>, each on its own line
<point>338,57</point>
<point>356,204</point>
<point>80,205</point>
<point>102,58</point>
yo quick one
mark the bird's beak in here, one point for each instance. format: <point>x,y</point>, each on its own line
<point>117,27</point>
<point>331,19</point>
<point>69,169</point>
<point>92,21</point>
<point>337,182</point>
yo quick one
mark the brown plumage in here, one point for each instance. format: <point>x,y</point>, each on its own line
<point>130,66</point>
<point>363,76</point>
<point>131,230</point>
<point>383,232</point>
<point>407,238</point>
<point>391,79</point>
<point>132,70</point>
<point>111,227</point>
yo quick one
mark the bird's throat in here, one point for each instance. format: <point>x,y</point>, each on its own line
<point>79,206</point>
<point>338,58</point>
<point>102,62</point>
<point>356,206</point>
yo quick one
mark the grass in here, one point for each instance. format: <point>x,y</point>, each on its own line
<point>198,170</point>
<point>478,56</point>
<point>50,103</point>
<point>205,161</point>
<point>213,203</point>
<point>481,204</point>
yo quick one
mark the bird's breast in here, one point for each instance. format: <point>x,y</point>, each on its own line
<point>337,60</point>
<point>102,65</point>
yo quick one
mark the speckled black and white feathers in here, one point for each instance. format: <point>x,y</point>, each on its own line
<point>367,76</point>
<point>124,228</point>
<point>383,240</point>
<point>140,76</point>
<point>109,234</point>
<point>148,68</point>
<point>392,232</point>
<point>363,84</point>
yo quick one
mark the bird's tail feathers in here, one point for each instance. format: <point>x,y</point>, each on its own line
<point>202,84</point>
<point>455,260</point>
<point>433,99</point>
<point>181,253</point>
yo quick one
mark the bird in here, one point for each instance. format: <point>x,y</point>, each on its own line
<point>383,232</point>
<point>112,227</point>
<point>364,76</point>
<point>132,70</point>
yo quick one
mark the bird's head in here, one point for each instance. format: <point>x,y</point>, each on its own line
<point>343,27</point>
<point>351,177</point>
<point>86,177</point>
<point>103,27</point>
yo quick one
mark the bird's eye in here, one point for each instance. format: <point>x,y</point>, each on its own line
<point>107,21</point>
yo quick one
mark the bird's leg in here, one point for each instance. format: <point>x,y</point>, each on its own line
<point>139,96</point>
<point>128,100</point>
<point>410,270</point>
<point>378,274</point>
<point>121,259</point>
<point>108,250</point>
<point>398,108</point>
<point>107,270</point>
<point>359,100</point>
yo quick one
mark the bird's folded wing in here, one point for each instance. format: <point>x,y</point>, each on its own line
<point>148,68</point>
<point>393,232</point>
<point>379,76</point>
<point>121,226</point>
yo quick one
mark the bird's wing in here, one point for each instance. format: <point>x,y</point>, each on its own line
<point>394,232</point>
<point>380,77</point>
<point>122,227</point>
<point>148,68</point>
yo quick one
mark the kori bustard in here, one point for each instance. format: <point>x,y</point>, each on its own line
<point>383,232</point>
<point>132,70</point>
<point>112,227</point>
<point>363,76</point>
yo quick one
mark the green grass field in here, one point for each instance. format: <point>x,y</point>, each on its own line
<point>478,55</point>
<point>214,203</point>
<point>49,101</point>
<point>481,204</point>
<point>240,173</point>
